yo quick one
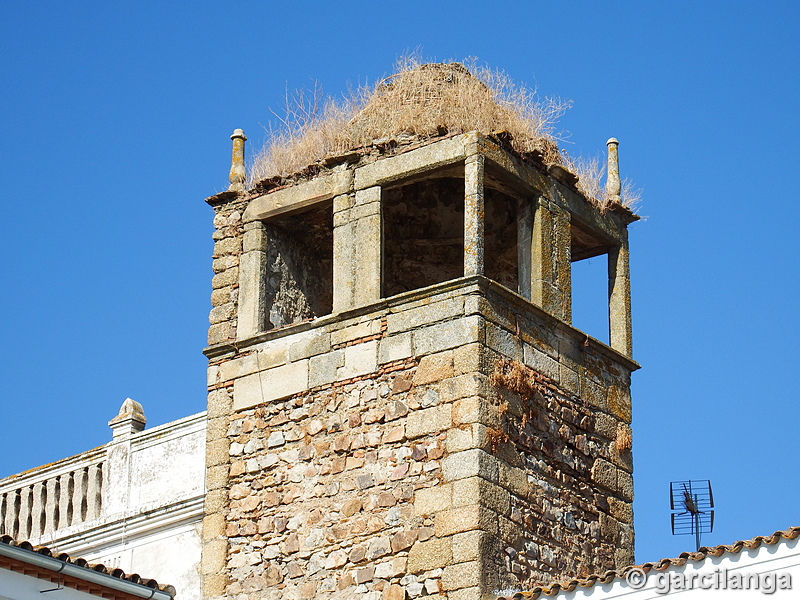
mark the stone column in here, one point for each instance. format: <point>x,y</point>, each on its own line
<point>619,299</point>
<point>524,247</point>
<point>551,268</point>
<point>252,286</point>
<point>473,215</point>
<point>619,278</point>
<point>357,249</point>
<point>562,240</point>
<point>542,255</point>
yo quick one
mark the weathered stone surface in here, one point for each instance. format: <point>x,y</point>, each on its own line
<point>428,501</point>
<point>433,554</point>
<point>434,367</point>
<point>395,347</point>
<point>359,360</point>
<point>470,463</point>
<point>272,384</point>
<point>429,420</point>
<point>404,165</point>
<point>397,442</point>
<point>461,575</point>
<point>447,335</point>
<point>299,196</point>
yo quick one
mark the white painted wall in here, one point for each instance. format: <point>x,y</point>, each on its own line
<point>149,507</point>
<point>16,586</point>
<point>763,570</point>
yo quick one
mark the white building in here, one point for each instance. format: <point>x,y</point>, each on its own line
<point>135,503</point>
<point>26,573</point>
<point>763,566</point>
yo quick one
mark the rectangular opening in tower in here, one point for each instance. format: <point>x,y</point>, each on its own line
<point>589,252</point>
<point>501,255</point>
<point>299,267</point>
<point>423,233</point>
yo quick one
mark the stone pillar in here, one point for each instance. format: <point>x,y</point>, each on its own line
<point>237,174</point>
<point>94,491</point>
<point>65,506</point>
<point>541,255</point>
<point>110,494</point>
<point>562,239</point>
<point>524,246</point>
<point>51,509</point>
<point>37,510</point>
<point>619,278</point>
<point>473,215</point>
<point>79,479</point>
<point>619,299</point>
<point>214,539</point>
<point>613,187</point>
<point>357,249</point>
<point>252,287</point>
<point>551,268</point>
<point>24,521</point>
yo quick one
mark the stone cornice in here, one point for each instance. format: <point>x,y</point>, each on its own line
<point>90,538</point>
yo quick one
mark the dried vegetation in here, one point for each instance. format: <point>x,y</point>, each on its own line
<point>421,101</point>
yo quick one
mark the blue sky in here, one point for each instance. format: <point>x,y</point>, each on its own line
<point>116,124</point>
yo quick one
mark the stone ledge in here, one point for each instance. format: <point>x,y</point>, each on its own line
<point>297,197</point>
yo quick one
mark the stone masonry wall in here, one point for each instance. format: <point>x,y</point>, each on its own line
<point>562,438</point>
<point>228,230</point>
<point>381,456</point>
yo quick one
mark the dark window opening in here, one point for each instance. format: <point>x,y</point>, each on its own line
<point>501,255</point>
<point>299,267</point>
<point>423,234</point>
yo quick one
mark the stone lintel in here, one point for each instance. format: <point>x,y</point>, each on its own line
<point>414,162</point>
<point>531,181</point>
<point>301,196</point>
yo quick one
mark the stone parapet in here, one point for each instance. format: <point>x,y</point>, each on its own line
<point>126,504</point>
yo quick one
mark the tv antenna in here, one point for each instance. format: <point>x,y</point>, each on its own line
<point>692,505</point>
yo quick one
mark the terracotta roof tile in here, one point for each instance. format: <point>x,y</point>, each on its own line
<point>82,562</point>
<point>661,565</point>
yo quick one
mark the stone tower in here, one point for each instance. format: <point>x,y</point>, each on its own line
<point>398,404</point>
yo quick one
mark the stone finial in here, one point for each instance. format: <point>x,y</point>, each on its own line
<point>130,419</point>
<point>237,175</point>
<point>612,180</point>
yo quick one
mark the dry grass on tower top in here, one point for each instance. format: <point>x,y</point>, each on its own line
<point>420,101</point>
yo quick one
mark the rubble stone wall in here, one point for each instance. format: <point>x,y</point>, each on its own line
<point>380,456</point>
